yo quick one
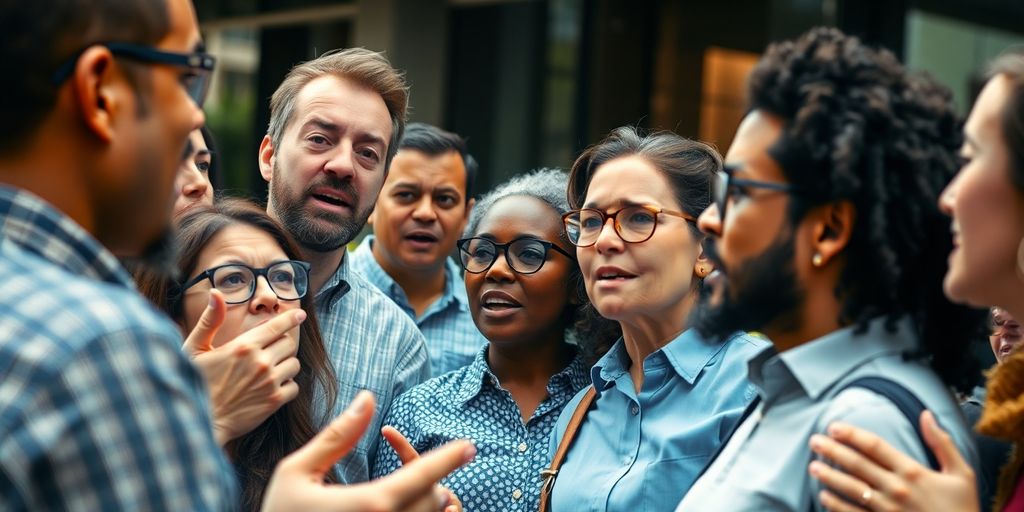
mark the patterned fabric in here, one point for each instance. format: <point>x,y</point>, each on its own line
<point>471,404</point>
<point>764,464</point>
<point>99,408</point>
<point>642,451</point>
<point>374,346</point>
<point>452,337</point>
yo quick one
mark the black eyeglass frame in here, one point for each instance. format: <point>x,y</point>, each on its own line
<point>201,62</point>
<point>617,227</point>
<point>256,272</point>
<point>463,242</point>
<point>721,198</point>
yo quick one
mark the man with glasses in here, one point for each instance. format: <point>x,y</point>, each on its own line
<point>99,408</point>
<point>827,237</point>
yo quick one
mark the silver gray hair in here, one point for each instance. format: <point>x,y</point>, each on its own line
<point>548,185</point>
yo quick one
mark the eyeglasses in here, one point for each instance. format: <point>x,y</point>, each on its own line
<point>524,255</point>
<point>633,224</point>
<point>725,184</point>
<point>288,279</point>
<point>197,83</point>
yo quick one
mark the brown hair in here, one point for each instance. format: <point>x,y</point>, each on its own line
<point>367,68</point>
<point>1011,64</point>
<point>255,453</point>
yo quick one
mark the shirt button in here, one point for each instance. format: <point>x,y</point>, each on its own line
<point>634,409</point>
<point>516,494</point>
<point>522,447</point>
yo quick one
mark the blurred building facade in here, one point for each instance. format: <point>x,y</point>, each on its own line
<point>532,82</point>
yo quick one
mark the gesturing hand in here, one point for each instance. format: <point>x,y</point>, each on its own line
<point>876,476</point>
<point>250,377</point>
<point>407,453</point>
<point>298,480</point>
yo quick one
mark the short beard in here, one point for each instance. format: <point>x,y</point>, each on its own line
<point>766,292</point>
<point>296,220</point>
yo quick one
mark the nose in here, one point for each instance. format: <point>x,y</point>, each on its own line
<point>263,298</point>
<point>500,270</point>
<point>424,211</point>
<point>340,161</point>
<point>709,222</point>
<point>947,200</point>
<point>607,239</point>
<point>198,118</point>
<point>194,185</point>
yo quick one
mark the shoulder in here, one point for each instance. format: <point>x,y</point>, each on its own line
<point>436,392</point>
<point>371,309</point>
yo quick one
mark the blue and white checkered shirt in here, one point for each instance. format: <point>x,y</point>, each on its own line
<point>471,404</point>
<point>99,408</point>
<point>374,346</point>
<point>452,338</point>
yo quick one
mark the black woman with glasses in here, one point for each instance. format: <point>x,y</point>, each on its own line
<point>524,294</point>
<point>663,397</point>
<point>235,248</point>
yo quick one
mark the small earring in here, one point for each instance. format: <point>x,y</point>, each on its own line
<point>817,260</point>
<point>702,271</point>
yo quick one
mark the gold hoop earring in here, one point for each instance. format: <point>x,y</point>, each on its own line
<point>817,260</point>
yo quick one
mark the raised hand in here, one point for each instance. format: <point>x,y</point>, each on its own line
<point>407,453</point>
<point>876,476</point>
<point>250,377</point>
<point>298,480</point>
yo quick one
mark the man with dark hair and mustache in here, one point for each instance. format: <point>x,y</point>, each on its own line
<point>335,123</point>
<point>827,237</point>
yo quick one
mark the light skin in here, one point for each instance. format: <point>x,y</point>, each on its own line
<point>192,185</point>
<point>757,217</point>
<point>419,216</point>
<point>338,133</point>
<point>1006,334</point>
<point>650,291</point>
<point>986,211</point>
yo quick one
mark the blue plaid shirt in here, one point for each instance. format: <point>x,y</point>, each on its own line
<point>452,337</point>
<point>470,404</point>
<point>373,346</point>
<point>99,408</point>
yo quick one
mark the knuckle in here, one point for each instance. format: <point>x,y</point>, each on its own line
<point>900,493</point>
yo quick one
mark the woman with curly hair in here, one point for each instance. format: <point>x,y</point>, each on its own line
<point>827,233</point>
<point>986,203</point>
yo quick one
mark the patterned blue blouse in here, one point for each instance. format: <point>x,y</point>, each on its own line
<point>469,403</point>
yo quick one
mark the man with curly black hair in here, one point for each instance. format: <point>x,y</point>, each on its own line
<point>827,238</point>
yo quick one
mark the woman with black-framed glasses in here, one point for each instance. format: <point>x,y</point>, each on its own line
<point>234,247</point>
<point>524,295</point>
<point>663,397</point>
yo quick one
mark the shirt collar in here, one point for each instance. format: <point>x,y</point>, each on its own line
<point>478,373</point>
<point>817,365</point>
<point>38,227</point>
<point>364,262</point>
<point>688,354</point>
<point>336,287</point>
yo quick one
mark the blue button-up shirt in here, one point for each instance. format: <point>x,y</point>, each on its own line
<point>374,346</point>
<point>99,408</point>
<point>764,464</point>
<point>452,337</point>
<point>642,451</point>
<point>471,404</point>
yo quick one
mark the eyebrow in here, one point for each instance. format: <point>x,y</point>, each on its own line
<point>621,203</point>
<point>322,124</point>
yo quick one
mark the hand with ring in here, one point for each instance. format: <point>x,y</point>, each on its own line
<point>875,476</point>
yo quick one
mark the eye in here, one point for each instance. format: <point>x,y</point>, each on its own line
<point>231,279</point>
<point>404,196</point>
<point>590,221</point>
<point>203,166</point>
<point>318,140</point>
<point>640,216</point>
<point>738,192</point>
<point>369,154</point>
<point>531,253</point>
<point>446,201</point>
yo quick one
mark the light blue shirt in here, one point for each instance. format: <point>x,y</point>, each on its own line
<point>452,337</point>
<point>471,404</point>
<point>373,346</point>
<point>764,464</point>
<point>641,451</point>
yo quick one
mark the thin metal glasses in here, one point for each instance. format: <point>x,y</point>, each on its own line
<point>633,224</point>
<point>524,255</point>
<point>725,184</point>
<point>196,83</point>
<point>288,279</point>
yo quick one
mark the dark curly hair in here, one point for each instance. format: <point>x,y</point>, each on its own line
<point>858,127</point>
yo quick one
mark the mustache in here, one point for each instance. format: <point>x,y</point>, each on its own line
<point>332,181</point>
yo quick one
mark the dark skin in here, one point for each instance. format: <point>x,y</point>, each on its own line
<point>527,342</point>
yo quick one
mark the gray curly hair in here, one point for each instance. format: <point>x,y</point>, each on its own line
<point>548,185</point>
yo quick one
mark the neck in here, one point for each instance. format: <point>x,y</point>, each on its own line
<point>323,265</point>
<point>529,363</point>
<point>421,286</point>
<point>816,316</point>
<point>647,334</point>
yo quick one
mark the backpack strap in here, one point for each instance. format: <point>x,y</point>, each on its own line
<point>904,400</point>
<point>548,475</point>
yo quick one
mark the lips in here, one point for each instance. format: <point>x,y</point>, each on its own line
<point>333,197</point>
<point>612,273</point>
<point>498,301</point>
<point>422,236</point>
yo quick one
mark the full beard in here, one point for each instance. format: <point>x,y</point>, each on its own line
<point>311,235</point>
<point>762,291</point>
